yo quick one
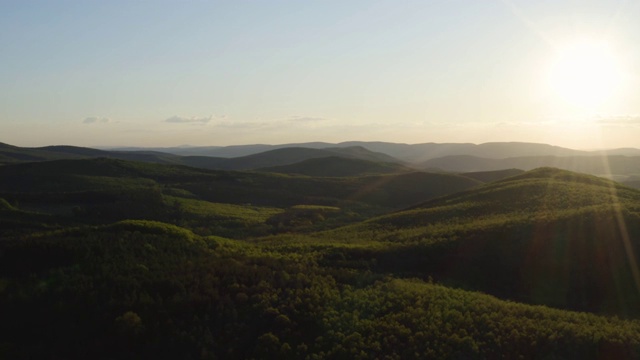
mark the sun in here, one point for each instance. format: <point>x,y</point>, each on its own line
<point>585,74</point>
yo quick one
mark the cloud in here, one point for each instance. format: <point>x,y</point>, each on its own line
<point>96,120</point>
<point>306,119</point>
<point>188,120</point>
<point>619,120</point>
<point>241,125</point>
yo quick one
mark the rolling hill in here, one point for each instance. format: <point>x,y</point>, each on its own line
<point>12,154</point>
<point>278,157</point>
<point>291,155</point>
<point>547,236</point>
<point>109,189</point>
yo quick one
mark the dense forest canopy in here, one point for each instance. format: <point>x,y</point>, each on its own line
<point>112,259</point>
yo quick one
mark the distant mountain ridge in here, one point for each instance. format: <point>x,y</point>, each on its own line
<point>621,164</point>
<point>277,157</point>
<point>590,164</point>
<point>336,166</point>
<point>286,156</point>
<point>412,153</point>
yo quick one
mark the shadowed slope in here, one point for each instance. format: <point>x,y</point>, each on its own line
<point>70,179</point>
<point>335,166</point>
<point>292,155</point>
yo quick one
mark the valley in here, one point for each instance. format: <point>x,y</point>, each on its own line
<point>314,256</point>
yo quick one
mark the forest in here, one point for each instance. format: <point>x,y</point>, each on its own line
<point>116,259</point>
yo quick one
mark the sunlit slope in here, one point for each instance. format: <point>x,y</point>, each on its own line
<point>546,236</point>
<point>537,196</point>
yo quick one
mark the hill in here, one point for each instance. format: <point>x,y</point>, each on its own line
<point>104,190</point>
<point>291,155</point>
<point>335,166</point>
<point>12,154</point>
<point>547,236</point>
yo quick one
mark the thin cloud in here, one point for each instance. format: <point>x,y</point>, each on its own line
<point>96,120</point>
<point>306,119</point>
<point>188,120</point>
<point>241,125</point>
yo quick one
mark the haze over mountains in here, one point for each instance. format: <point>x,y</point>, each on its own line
<point>369,157</point>
<point>412,153</point>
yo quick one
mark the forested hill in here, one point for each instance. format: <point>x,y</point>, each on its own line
<point>108,190</point>
<point>547,236</point>
<point>112,259</point>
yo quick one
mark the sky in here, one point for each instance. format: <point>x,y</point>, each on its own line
<point>215,73</point>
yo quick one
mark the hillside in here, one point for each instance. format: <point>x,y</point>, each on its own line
<point>99,190</point>
<point>335,166</point>
<point>547,236</point>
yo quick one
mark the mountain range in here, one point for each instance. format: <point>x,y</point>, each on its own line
<point>358,158</point>
<point>410,153</point>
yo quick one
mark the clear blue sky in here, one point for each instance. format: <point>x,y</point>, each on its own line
<point>167,73</point>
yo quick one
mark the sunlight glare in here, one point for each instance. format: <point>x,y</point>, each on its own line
<point>585,74</point>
